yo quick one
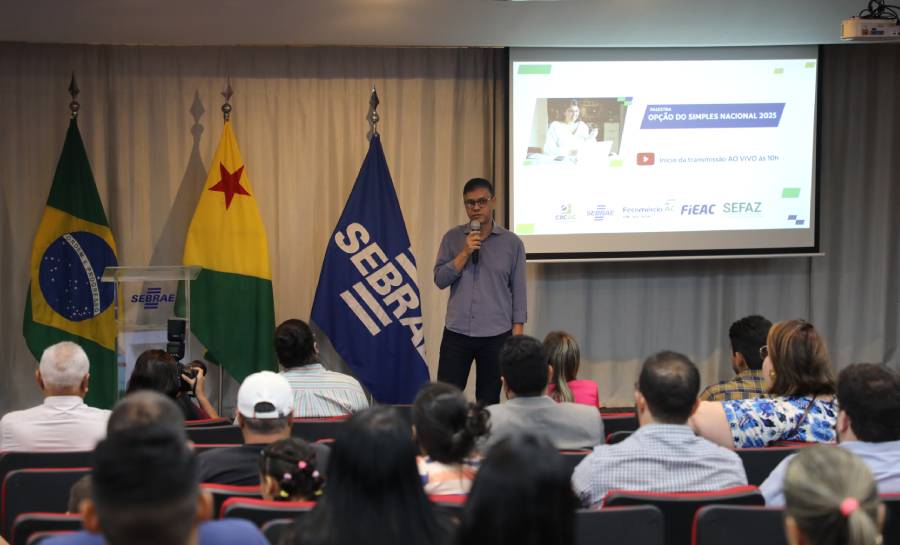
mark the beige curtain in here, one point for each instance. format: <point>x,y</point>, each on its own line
<point>150,118</point>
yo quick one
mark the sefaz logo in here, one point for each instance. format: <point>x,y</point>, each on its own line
<point>745,208</point>
<point>646,158</point>
<point>152,298</point>
<point>698,209</point>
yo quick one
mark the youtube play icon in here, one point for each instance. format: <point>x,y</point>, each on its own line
<point>646,159</point>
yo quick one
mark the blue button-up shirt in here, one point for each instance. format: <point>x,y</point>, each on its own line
<point>488,297</point>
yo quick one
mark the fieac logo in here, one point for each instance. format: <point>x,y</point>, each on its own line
<point>698,209</point>
<point>646,158</point>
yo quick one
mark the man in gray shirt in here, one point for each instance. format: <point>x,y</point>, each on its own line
<point>485,269</point>
<point>526,373</point>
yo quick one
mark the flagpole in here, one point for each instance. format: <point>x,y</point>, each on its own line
<point>373,116</point>
<point>74,106</point>
<point>228,92</point>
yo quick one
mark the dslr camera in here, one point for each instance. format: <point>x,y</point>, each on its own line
<point>175,333</point>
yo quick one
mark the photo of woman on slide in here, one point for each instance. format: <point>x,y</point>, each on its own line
<point>565,138</point>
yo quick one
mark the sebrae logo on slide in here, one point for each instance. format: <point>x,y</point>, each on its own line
<point>698,209</point>
<point>745,208</point>
<point>600,212</point>
<point>565,213</point>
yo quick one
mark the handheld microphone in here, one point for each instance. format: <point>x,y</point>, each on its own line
<point>475,225</point>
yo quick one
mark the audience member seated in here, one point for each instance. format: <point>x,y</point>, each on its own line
<point>565,359</point>
<point>663,455</point>
<point>446,427</point>
<point>868,425</point>
<point>831,499</point>
<point>157,370</point>
<point>521,496</point>
<point>318,392</point>
<point>265,404</point>
<point>800,385</point>
<point>374,495</point>
<point>79,492</point>
<point>63,422</point>
<point>287,471</point>
<point>525,373</point>
<point>747,335</point>
<point>144,485</point>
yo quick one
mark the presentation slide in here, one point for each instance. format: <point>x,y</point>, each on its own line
<point>663,152</point>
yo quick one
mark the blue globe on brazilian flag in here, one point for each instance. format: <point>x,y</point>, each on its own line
<point>73,246</point>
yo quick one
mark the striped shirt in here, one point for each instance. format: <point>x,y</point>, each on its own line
<point>745,385</point>
<point>657,458</point>
<point>321,393</point>
<point>441,478</point>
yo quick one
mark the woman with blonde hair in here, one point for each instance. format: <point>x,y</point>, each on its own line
<point>800,405</point>
<point>831,499</point>
<point>564,355</point>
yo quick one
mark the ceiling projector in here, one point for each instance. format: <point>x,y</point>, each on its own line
<point>869,30</point>
<point>877,22</point>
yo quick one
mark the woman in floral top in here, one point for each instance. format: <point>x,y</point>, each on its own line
<point>801,405</point>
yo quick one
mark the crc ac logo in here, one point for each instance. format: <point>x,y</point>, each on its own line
<point>152,297</point>
<point>698,209</point>
<point>746,208</point>
<point>565,213</point>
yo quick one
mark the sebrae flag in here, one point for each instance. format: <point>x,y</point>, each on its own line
<point>73,246</point>
<point>232,311</point>
<point>367,300</point>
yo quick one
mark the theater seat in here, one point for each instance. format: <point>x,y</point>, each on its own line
<point>37,490</point>
<point>759,462</point>
<point>638,525</point>
<point>215,434</point>
<point>313,429</point>
<point>27,524</point>
<point>573,457</point>
<point>613,422</point>
<point>617,436</point>
<point>10,461</point>
<point>678,509</point>
<point>260,511</point>
<point>222,492</point>
<point>738,525</point>
<point>891,533</point>
<point>207,422</point>
<point>274,530</point>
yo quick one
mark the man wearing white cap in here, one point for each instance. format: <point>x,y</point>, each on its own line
<point>265,405</point>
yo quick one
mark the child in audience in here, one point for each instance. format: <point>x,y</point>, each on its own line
<point>446,428</point>
<point>80,491</point>
<point>521,495</point>
<point>374,495</point>
<point>831,499</point>
<point>565,358</point>
<point>287,471</point>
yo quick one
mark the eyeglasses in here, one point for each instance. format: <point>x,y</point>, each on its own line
<point>763,352</point>
<point>471,203</point>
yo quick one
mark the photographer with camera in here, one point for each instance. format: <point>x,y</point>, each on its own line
<point>160,371</point>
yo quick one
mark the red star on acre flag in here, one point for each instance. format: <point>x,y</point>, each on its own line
<point>230,184</point>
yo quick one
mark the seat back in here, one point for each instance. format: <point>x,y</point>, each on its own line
<point>198,448</point>
<point>206,435</point>
<point>759,462</point>
<point>274,530</point>
<point>28,524</point>
<point>613,422</point>
<point>617,436</point>
<point>738,525</point>
<point>260,511</point>
<point>678,509</point>
<point>313,429</point>
<point>207,422</point>
<point>10,461</point>
<point>573,457</point>
<point>37,490</point>
<point>637,525</point>
<point>222,492</point>
<point>891,531</point>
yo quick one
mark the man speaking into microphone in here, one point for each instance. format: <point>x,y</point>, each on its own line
<point>484,265</point>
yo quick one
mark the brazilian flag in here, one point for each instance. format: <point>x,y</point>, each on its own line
<point>232,308</point>
<point>73,246</point>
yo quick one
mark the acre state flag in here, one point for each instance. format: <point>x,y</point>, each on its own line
<point>232,310</point>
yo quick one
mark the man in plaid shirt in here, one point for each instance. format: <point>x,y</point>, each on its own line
<point>748,338</point>
<point>663,455</point>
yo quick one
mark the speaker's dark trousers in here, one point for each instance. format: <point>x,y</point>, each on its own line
<point>457,353</point>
